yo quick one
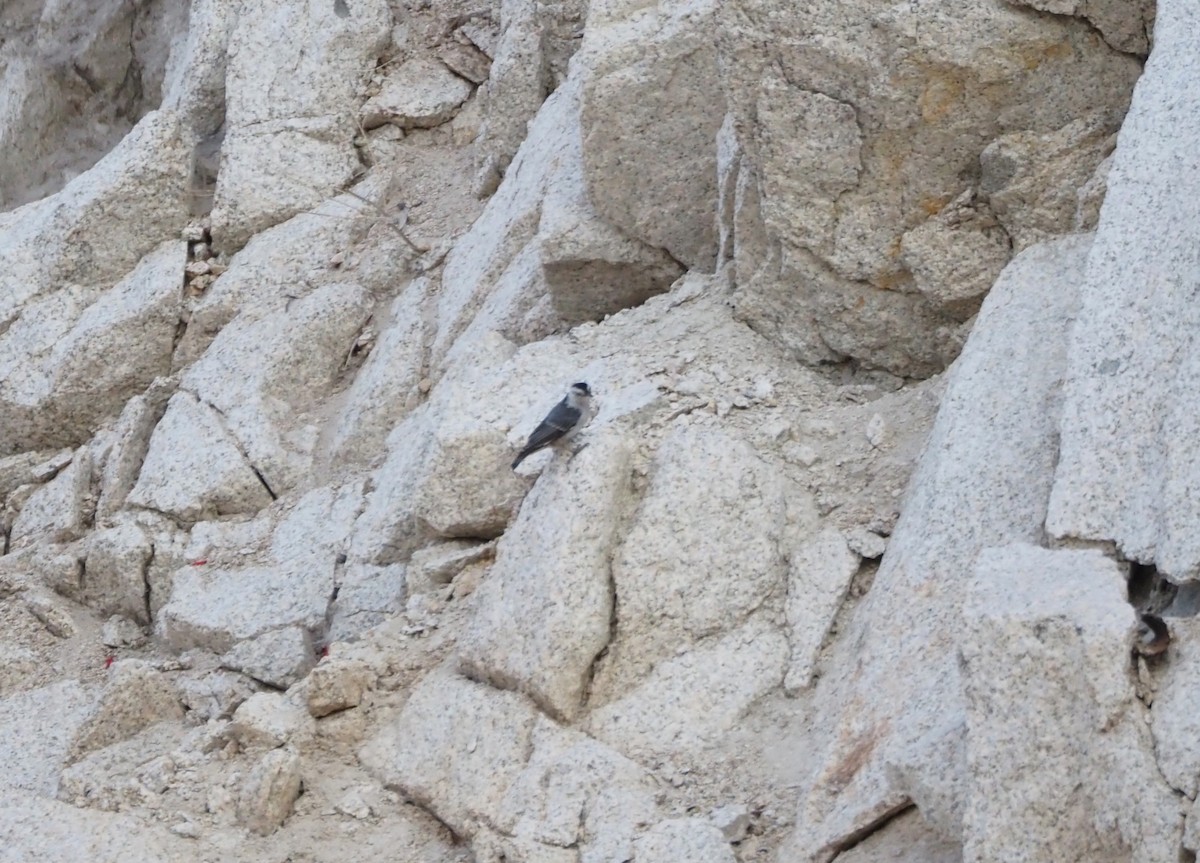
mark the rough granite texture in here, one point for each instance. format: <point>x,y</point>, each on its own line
<point>887,312</point>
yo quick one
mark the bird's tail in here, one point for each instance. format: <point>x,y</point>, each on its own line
<point>521,456</point>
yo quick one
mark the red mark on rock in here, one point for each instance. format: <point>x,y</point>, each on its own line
<point>200,562</point>
<point>108,661</point>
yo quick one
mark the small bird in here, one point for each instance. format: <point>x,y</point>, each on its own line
<point>559,423</point>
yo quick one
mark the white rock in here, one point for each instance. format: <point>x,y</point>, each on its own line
<point>456,747</point>
<point>1045,647</point>
<point>277,658</point>
<point>259,374</point>
<point>38,830</point>
<point>675,839</point>
<point>336,684</point>
<point>123,340</point>
<point>52,612</point>
<point>386,387</point>
<point>481,758</point>
<point>290,260</point>
<point>131,440</point>
<point>866,543</point>
<point>905,837</point>
<point>687,702</point>
<point>1173,721</point>
<point>419,93</point>
<point>1129,445</point>
<point>134,697</point>
<point>732,819</point>
<point>354,804</point>
<point>114,579</point>
<point>270,791</point>
<point>652,105</point>
<point>993,462</point>
<point>269,719</point>
<point>37,726</point>
<point>121,632</point>
<point>686,571</point>
<point>820,575</point>
<point>21,469</point>
<point>123,775</point>
<point>214,695</point>
<point>291,91</point>
<point>194,469</point>
<point>542,617</point>
<point>58,511</point>
<point>366,596</point>
<point>315,528</point>
<point>446,476</point>
<point>216,608</point>
<point>576,792</point>
<point>433,567</point>
<point>60,254</point>
<point>540,241</point>
<point>20,668</point>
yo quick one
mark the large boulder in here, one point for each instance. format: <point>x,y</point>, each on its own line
<point>652,105</point>
<point>544,611</point>
<point>59,310</point>
<point>541,255</point>
<point>261,373</point>
<point>893,696</point>
<point>1130,448</point>
<point>294,75</point>
<point>857,227</point>
<point>1052,716</point>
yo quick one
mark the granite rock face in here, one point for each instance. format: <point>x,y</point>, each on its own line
<point>877,542</point>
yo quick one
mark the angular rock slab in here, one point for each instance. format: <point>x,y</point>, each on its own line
<point>193,467</point>
<point>419,93</point>
<point>702,552</point>
<point>691,839</point>
<point>820,573</point>
<point>690,701</point>
<point>575,791</point>
<point>135,697</point>
<point>214,610</point>
<point>446,475</point>
<point>260,373</point>
<point>1052,716</point>
<point>890,103</point>
<point>652,105</point>
<point>984,479</point>
<point>495,770</point>
<point>543,612</point>
<point>37,726</point>
<point>291,90</point>
<point>1175,720</point>
<point>456,748</point>
<point>541,255</point>
<point>37,830</point>
<point>57,511</point>
<point>1130,466</point>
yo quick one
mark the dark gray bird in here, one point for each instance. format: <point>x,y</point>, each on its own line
<point>560,422</point>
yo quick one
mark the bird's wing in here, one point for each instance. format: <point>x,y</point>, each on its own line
<point>557,423</point>
<point>544,435</point>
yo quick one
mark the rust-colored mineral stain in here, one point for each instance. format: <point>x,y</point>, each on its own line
<point>848,766</point>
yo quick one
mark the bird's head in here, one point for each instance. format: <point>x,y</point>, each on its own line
<point>581,390</point>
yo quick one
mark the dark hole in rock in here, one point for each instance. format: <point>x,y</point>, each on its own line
<point>1149,592</point>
